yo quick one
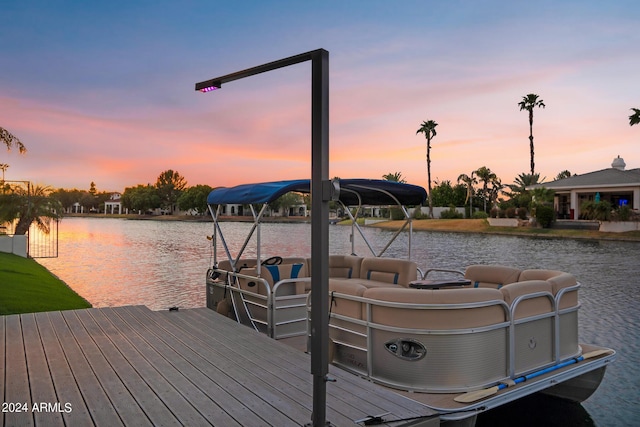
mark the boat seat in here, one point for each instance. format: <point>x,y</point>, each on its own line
<point>533,324</point>
<point>565,290</point>
<point>491,276</point>
<point>346,266</point>
<point>438,318</point>
<point>273,274</point>
<point>529,306</point>
<point>346,307</point>
<point>559,280</point>
<point>387,270</point>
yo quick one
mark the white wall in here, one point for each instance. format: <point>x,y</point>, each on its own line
<point>14,244</point>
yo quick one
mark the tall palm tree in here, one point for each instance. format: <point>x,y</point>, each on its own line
<point>486,176</point>
<point>634,119</point>
<point>529,102</point>
<point>10,140</point>
<point>429,129</point>
<point>468,181</point>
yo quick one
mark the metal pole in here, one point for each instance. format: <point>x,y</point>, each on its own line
<point>320,196</point>
<point>321,193</point>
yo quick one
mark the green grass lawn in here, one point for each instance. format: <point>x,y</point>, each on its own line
<point>28,287</point>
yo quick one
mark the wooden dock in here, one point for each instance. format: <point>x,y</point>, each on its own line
<point>130,366</point>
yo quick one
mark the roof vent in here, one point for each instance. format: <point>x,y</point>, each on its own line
<point>618,163</point>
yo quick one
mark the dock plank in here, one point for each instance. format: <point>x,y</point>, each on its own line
<point>40,381</point>
<point>354,393</point>
<point>16,377</point>
<point>64,382</point>
<point>171,386</point>
<point>213,400</point>
<point>131,366</point>
<point>102,409</point>
<point>260,398</point>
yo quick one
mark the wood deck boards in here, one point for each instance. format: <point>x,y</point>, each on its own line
<point>133,366</point>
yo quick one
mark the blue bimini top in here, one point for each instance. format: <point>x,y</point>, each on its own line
<point>353,192</point>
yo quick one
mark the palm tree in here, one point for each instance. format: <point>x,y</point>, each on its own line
<point>496,187</point>
<point>529,102</point>
<point>634,119</point>
<point>10,140</point>
<point>468,181</point>
<point>29,206</point>
<point>486,176</point>
<point>562,175</point>
<point>519,193</point>
<point>429,130</point>
<point>395,177</point>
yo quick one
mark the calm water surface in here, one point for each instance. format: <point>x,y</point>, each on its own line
<point>161,264</point>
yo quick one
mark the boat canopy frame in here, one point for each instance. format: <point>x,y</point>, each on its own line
<point>350,193</point>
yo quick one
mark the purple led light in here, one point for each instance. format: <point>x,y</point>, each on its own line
<point>209,89</point>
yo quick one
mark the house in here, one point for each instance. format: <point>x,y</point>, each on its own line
<point>617,185</point>
<point>114,204</point>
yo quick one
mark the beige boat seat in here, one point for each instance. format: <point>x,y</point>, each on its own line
<point>529,306</point>
<point>346,266</point>
<point>559,280</point>
<point>273,274</point>
<point>346,307</point>
<point>565,290</point>
<point>491,276</point>
<point>385,271</point>
<point>437,318</point>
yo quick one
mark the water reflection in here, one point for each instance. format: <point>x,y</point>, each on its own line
<point>160,264</point>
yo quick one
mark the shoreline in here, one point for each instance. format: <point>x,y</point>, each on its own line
<point>476,226</point>
<point>481,226</point>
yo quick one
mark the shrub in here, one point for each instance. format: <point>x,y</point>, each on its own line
<point>624,213</point>
<point>502,213</point>
<point>511,212</point>
<point>418,214</point>
<point>600,211</point>
<point>452,213</point>
<point>494,212</point>
<point>545,216</point>
<point>480,215</point>
<point>396,214</point>
<point>522,213</point>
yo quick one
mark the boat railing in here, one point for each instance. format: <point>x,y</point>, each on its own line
<point>445,347</point>
<point>394,354</point>
<point>271,309</point>
<point>426,273</point>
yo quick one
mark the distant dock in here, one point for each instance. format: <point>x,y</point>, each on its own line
<point>132,366</point>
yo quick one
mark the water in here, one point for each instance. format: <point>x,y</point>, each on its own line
<point>161,264</point>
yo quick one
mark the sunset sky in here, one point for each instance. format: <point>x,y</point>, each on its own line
<point>103,91</point>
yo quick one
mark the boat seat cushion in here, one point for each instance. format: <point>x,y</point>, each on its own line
<point>387,270</point>
<point>346,266</point>
<point>342,306</point>
<point>529,306</point>
<point>491,276</point>
<point>558,280</point>
<point>437,319</point>
<point>273,274</point>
